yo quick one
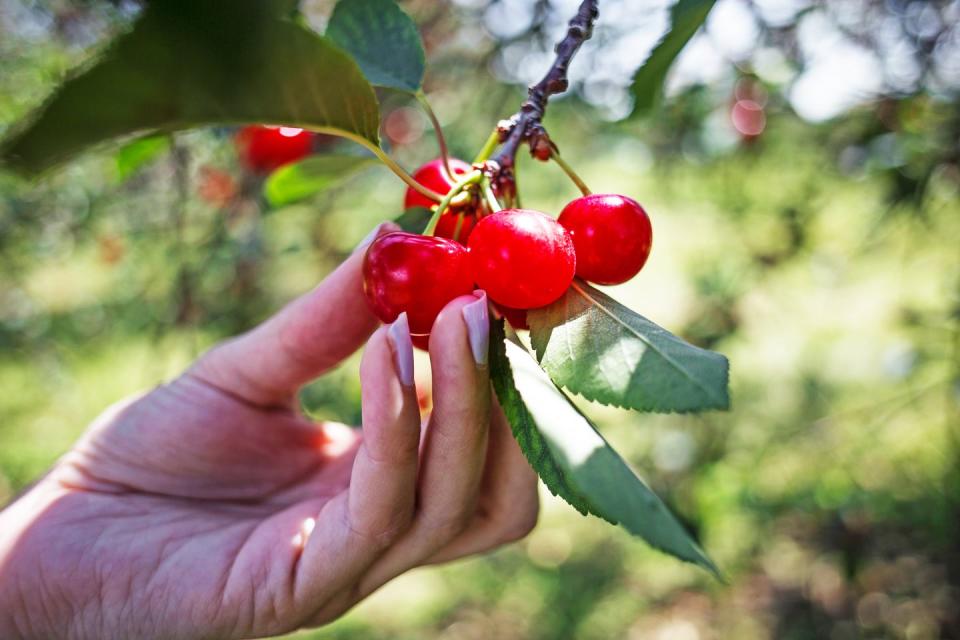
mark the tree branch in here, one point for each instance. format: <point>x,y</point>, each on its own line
<point>525,125</point>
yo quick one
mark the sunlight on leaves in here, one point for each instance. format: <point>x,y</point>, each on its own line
<point>574,460</point>
<point>686,16</point>
<point>592,345</point>
<point>382,39</point>
<point>190,63</point>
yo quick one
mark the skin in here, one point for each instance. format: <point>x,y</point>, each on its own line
<point>211,508</point>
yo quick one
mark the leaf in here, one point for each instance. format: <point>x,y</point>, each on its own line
<point>189,63</point>
<point>303,179</point>
<point>592,345</point>
<point>131,157</point>
<point>382,39</point>
<point>523,423</point>
<point>574,460</point>
<point>414,219</point>
<point>686,16</point>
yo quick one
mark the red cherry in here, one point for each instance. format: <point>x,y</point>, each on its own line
<point>447,225</point>
<point>417,274</point>
<point>522,258</point>
<point>421,341</point>
<point>612,235</point>
<point>433,176</point>
<point>516,317</point>
<point>265,148</point>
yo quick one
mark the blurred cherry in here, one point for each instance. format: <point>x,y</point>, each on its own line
<point>263,148</point>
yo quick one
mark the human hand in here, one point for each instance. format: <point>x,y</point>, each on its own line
<point>211,508</point>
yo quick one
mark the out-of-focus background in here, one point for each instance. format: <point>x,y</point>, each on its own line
<point>803,180</point>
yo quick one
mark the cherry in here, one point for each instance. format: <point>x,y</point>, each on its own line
<point>421,341</point>
<point>417,274</point>
<point>447,225</point>
<point>264,148</point>
<point>522,258</point>
<point>516,317</point>
<point>435,177</point>
<point>612,236</point>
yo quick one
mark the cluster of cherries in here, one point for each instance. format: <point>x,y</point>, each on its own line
<point>523,259</point>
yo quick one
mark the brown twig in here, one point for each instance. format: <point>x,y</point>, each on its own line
<point>525,126</point>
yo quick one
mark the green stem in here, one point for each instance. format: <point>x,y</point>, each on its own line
<point>567,169</point>
<point>438,130</point>
<point>491,199</point>
<point>456,229</point>
<point>488,147</point>
<point>387,160</point>
<point>470,178</point>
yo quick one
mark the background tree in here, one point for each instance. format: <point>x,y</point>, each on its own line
<point>806,226</point>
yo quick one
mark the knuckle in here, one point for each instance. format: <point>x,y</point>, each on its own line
<point>383,532</point>
<point>397,452</point>
<point>444,530</point>
<point>392,532</point>
<point>520,525</point>
<point>458,433</point>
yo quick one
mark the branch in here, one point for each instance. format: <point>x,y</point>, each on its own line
<point>525,125</point>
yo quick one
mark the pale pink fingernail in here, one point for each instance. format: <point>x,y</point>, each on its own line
<point>478,327</point>
<point>399,335</point>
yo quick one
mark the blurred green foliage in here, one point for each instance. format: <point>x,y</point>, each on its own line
<point>822,259</point>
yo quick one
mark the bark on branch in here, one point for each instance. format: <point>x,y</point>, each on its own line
<point>525,126</point>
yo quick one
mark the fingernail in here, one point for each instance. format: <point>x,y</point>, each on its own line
<point>370,237</point>
<point>478,327</point>
<point>399,335</point>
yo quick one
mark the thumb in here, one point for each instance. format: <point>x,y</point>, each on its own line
<point>268,365</point>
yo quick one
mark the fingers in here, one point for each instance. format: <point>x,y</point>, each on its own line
<point>509,501</point>
<point>358,525</point>
<point>267,365</point>
<point>455,442</point>
<point>383,482</point>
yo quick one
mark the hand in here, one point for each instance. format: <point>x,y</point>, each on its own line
<point>211,508</point>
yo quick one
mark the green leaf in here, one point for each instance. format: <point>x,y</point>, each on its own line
<point>686,16</point>
<point>189,63</point>
<point>300,180</point>
<point>574,460</point>
<point>594,346</point>
<point>414,219</point>
<point>131,157</point>
<point>382,39</point>
<point>523,423</point>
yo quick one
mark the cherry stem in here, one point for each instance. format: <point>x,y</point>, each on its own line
<point>438,130</point>
<point>459,225</point>
<point>567,169</point>
<point>490,197</point>
<point>387,160</point>
<point>525,125</point>
<point>470,178</point>
<point>488,147</point>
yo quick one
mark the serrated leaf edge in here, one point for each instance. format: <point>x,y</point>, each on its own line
<point>498,341</point>
<point>724,403</point>
<point>702,559</point>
